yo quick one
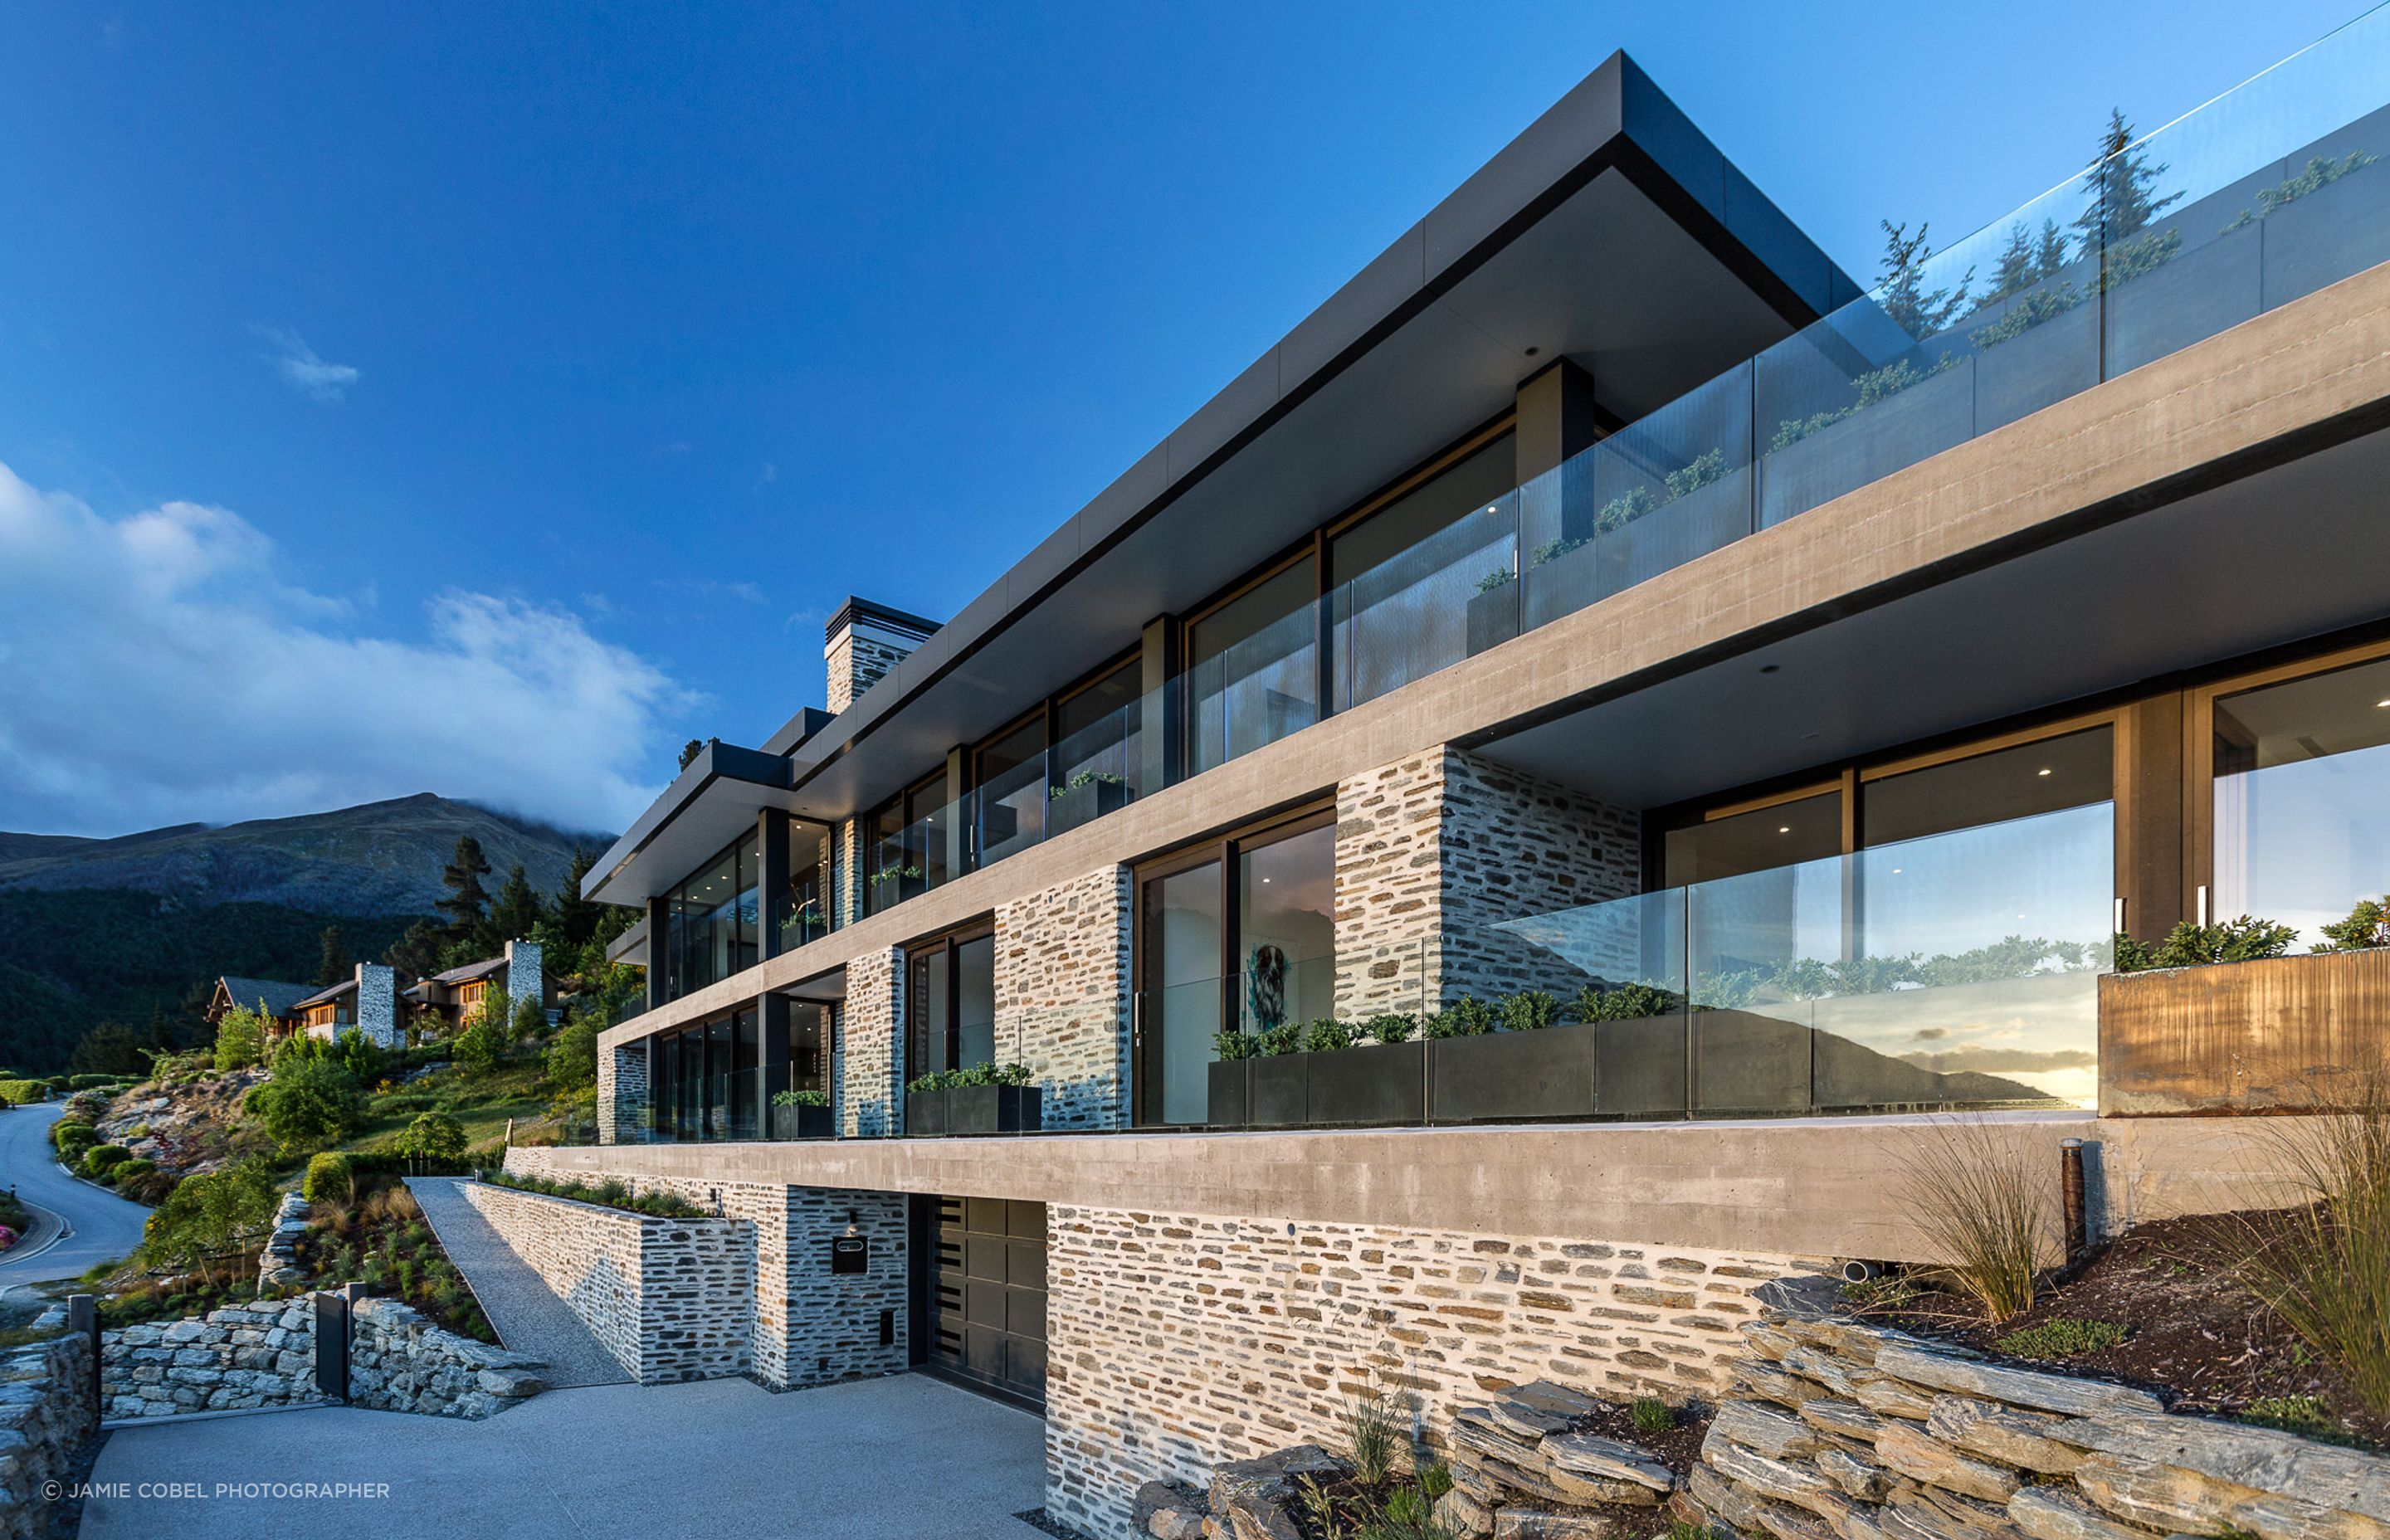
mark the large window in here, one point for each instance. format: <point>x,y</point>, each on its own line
<point>1253,667</point>
<point>713,922</point>
<point>705,1081</point>
<point>2300,804</point>
<point>1239,935</point>
<point>805,912</point>
<point>950,1005</point>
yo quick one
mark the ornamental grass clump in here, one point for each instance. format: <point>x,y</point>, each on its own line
<point>1982,1204</point>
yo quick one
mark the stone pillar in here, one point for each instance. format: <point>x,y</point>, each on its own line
<point>871,1090</point>
<point>526,975</point>
<point>1434,849</point>
<point>862,642</point>
<point>622,1082</point>
<point>1062,978</point>
<point>378,1005</point>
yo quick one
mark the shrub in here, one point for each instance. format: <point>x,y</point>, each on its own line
<point>2368,926</point>
<point>478,1046</point>
<point>137,1132</point>
<point>801,1099</point>
<point>1326,1035</point>
<point>100,1157</point>
<point>1469,1017</point>
<point>1625,1003</point>
<point>71,1139</point>
<point>240,1038</point>
<point>211,1218</point>
<point>85,1106</point>
<point>1280,1040</point>
<point>1529,1010</point>
<point>330,1179</point>
<point>1374,1427</point>
<point>361,1055</point>
<point>57,1082</point>
<point>22,1093</point>
<point>2062,1337</point>
<point>308,1104</point>
<point>977,1074</point>
<point>1980,1202</point>
<point>1392,1027</point>
<point>1232,1046</point>
<point>1651,1415</point>
<point>530,1017</point>
<point>127,1170</point>
<point>573,1056</point>
<point>2191,945</point>
<point>434,1136</point>
<point>86,1083</point>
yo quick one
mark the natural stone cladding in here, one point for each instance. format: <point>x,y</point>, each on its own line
<point>377,1005</point>
<point>806,1325</point>
<point>1435,849</point>
<point>871,1061</point>
<point>856,662</point>
<point>45,1419</point>
<point>622,1091</point>
<point>667,1298</point>
<point>1841,1428</point>
<point>1063,995</point>
<point>1175,1343</point>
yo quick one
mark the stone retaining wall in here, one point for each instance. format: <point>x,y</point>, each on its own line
<point>666,1298</point>
<point>1177,1342</point>
<point>1842,1430</point>
<point>47,1418</point>
<point>247,1357</point>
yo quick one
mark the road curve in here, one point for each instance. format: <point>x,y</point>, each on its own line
<point>101,1227</point>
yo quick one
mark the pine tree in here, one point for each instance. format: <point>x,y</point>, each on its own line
<point>690,750</point>
<point>466,908</point>
<point>576,917</point>
<point>1901,288</point>
<point>416,954</point>
<point>2123,203</point>
<point>336,964</point>
<point>109,1048</point>
<point>517,909</point>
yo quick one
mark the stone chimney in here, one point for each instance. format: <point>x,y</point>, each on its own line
<point>377,1005</point>
<point>862,642</point>
<point>525,974</point>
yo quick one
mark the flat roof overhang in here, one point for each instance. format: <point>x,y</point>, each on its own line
<point>1611,232</point>
<point>712,801</point>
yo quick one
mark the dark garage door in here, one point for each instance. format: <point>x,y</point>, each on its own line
<point>988,1288</point>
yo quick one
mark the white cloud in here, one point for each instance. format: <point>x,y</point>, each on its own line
<point>156,669</point>
<point>299,367</point>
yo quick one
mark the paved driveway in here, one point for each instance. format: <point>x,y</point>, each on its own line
<point>528,1314</point>
<point>100,1226</point>
<point>901,1459</point>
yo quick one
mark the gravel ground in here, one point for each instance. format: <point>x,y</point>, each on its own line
<point>528,1316</point>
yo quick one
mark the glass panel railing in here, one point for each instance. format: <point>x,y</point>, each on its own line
<point>1255,691</point>
<point>1450,596</point>
<point>777,1101</point>
<point>1279,1016</point>
<point>798,918</point>
<point>1103,766</point>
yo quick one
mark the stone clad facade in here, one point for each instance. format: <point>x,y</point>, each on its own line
<point>47,1418</point>
<point>1062,976</point>
<point>623,1098</point>
<point>1434,849</point>
<point>870,1096</point>
<point>1179,1342</point>
<point>668,1299</point>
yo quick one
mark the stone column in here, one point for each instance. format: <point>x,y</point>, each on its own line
<point>871,1091</point>
<point>1062,976</point>
<point>622,1082</point>
<point>526,974</point>
<point>377,1005</point>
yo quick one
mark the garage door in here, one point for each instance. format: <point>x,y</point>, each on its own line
<point>989,1289</point>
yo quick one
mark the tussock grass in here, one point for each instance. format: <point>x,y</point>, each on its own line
<point>1987,1204</point>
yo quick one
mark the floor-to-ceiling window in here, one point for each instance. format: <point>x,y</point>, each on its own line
<point>2299,803</point>
<point>1237,935</point>
<point>803,913</point>
<point>1010,771</point>
<point>714,921</point>
<point>1253,667</point>
<point>950,1005</point>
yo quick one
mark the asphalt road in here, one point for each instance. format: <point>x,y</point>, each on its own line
<point>100,1227</point>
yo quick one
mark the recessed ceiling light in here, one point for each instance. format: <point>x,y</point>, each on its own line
<point>2379,704</point>
<point>2042,772</point>
<point>1785,830</point>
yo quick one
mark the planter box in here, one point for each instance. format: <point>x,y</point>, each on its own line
<point>1493,617</point>
<point>1230,1092</point>
<point>1382,1086</point>
<point>1703,521</point>
<point>969,1112</point>
<point>1892,435</point>
<point>1745,1062</point>
<point>800,1122</point>
<point>2328,235</point>
<point>2045,364</point>
<point>1507,1076</point>
<point>1083,804</point>
<point>2200,291</point>
<point>1281,1091</point>
<point>2238,1037</point>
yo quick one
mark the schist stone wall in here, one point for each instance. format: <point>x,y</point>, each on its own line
<point>1175,1343</point>
<point>806,1325</point>
<point>377,1005</point>
<point>47,1417</point>
<point>1434,849</point>
<point>871,1060</point>
<point>669,1299</point>
<point>1063,995</point>
<point>621,1092</point>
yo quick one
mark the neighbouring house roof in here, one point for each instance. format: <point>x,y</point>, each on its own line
<point>280,999</point>
<point>346,987</point>
<point>471,972</point>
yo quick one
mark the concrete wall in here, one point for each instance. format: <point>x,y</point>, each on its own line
<point>1062,975</point>
<point>669,1299</point>
<point>1176,1342</point>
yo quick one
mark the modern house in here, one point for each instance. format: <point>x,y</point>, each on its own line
<point>279,1001</point>
<point>457,994</point>
<point>1768,699</point>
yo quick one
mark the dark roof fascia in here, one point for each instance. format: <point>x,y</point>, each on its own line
<point>855,611</point>
<point>715,760</point>
<point>1615,119</point>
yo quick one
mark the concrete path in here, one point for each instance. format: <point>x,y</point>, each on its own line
<point>96,1225</point>
<point>880,1459</point>
<point>528,1316</point>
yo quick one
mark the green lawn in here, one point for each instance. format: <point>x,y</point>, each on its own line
<point>481,1103</point>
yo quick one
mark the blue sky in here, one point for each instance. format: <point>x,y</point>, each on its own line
<point>484,398</point>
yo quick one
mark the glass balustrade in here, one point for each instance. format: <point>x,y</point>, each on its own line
<point>776,1101</point>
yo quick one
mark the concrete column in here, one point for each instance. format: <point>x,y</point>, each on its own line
<point>771,877</point>
<point>1557,416</point>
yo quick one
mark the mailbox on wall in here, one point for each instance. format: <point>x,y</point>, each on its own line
<point>849,1254</point>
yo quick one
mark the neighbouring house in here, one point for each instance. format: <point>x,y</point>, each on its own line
<point>1778,694</point>
<point>279,1001</point>
<point>366,1001</point>
<point>457,994</point>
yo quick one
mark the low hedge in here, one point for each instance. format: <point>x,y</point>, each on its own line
<point>609,1194</point>
<point>23,1092</point>
<point>100,1157</point>
<point>331,1176</point>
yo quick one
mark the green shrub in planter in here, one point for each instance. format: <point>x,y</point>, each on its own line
<point>330,1178</point>
<point>1469,1017</point>
<point>1280,1040</point>
<point>1390,1028</point>
<point>801,1099</point>
<point>2245,939</point>
<point>1529,1010</point>
<point>2368,926</point>
<point>1326,1035</point>
<point>1627,1002</point>
<point>1231,1046</point>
